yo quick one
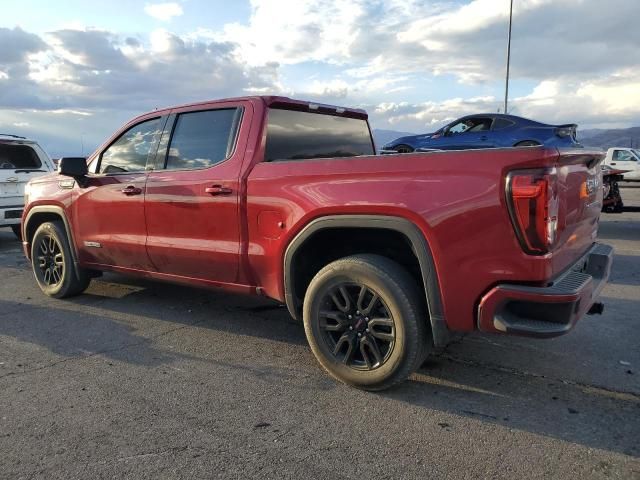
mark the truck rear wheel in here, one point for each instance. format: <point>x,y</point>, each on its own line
<point>363,317</point>
<point>52,263</point>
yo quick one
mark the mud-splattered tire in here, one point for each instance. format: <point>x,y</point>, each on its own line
<point>364,320</point>
<point>52,262</point>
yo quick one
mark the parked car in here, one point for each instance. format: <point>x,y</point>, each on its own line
<point>381,257</point>
<point>20,160</point>
<point>487,130</point>
<point>612,202</point>
<point>627,159</point>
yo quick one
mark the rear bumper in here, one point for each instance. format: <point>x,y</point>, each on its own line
<point>10,214</point>
<point>547,311</point>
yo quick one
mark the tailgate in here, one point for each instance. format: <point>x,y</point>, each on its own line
<point>11,186</point>
<point>19,163</point>
<point>580,194</point>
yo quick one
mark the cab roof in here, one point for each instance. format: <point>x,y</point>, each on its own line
<point>287,103</point>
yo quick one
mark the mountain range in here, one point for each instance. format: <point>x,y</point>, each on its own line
<point>618,137</point>
<point>382,137</point>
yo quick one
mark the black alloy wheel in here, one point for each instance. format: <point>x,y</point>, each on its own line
<point>365,321</point>
<point>50,261</point>
<point>358,327</point>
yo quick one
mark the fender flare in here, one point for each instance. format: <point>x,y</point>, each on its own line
<point>59,211</point>
<point>440,332</point>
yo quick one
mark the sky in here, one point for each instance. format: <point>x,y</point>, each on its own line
<point>72,72</point>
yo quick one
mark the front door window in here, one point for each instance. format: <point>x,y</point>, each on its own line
<point>129,153</point>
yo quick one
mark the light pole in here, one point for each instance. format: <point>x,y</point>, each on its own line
<point>506,87</point>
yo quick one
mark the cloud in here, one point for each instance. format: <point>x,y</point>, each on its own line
<point>572,50</point>
<point>428,116</point>
<point>17,44</point>
<point>163,11</point>
<point>92,81</point>
<point>468,41</point>
<point>413,64</point>
<point>84,69</point>
<point>612,98</point>
<point>609,100</point>
<point>292,31</point>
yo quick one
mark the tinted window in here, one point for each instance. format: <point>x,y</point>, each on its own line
<point>295,135</point>
<point>129,152</point>
<point>475,124</point>
<point>500,123</point>
<point>202,139</point>
<point>14,156</point>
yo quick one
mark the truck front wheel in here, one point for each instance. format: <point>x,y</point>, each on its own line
<point>52,262</point>
<point>363,317</point>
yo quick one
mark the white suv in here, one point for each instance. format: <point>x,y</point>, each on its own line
<point>20,161</point>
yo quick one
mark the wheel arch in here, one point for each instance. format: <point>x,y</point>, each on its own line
<point>529,140</point>
<point>405,144</point>
<point>402,226</point>
<point>47,213</point>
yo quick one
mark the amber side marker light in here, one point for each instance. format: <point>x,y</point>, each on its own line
<point>584,192</point>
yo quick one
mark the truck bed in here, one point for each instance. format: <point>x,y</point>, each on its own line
<point>457,199</point>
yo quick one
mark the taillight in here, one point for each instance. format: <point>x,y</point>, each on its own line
<point>533,206</point>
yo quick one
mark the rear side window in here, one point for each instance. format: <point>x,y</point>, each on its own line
<point>500,123</point>
<point>202,139</point>
<point>130,151</point>
<point>293,135</point>
<point>15,156</point>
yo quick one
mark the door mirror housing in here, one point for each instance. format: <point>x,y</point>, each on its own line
<point>75,167</point>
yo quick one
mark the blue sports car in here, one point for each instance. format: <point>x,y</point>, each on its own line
<point>488,130</point>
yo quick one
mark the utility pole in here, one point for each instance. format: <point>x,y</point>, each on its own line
<point>506,88</point>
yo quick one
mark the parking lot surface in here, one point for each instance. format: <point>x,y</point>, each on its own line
<point>148,380</point>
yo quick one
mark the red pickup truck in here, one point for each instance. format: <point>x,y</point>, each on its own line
<point>381,257</point>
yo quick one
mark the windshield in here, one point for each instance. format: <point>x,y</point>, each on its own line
<point>636,153</point>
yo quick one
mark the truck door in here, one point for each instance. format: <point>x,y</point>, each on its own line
<point>192,205</point>
<point>108,213</point>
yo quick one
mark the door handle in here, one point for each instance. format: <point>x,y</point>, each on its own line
<point>131,190</point>
<point>483,137</point>
<point>613,163</point>
<point>218,190</point>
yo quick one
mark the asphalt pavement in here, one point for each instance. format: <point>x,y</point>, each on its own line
<point>136,379</point>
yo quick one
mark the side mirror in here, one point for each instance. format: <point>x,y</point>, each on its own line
<point>75,167</point>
